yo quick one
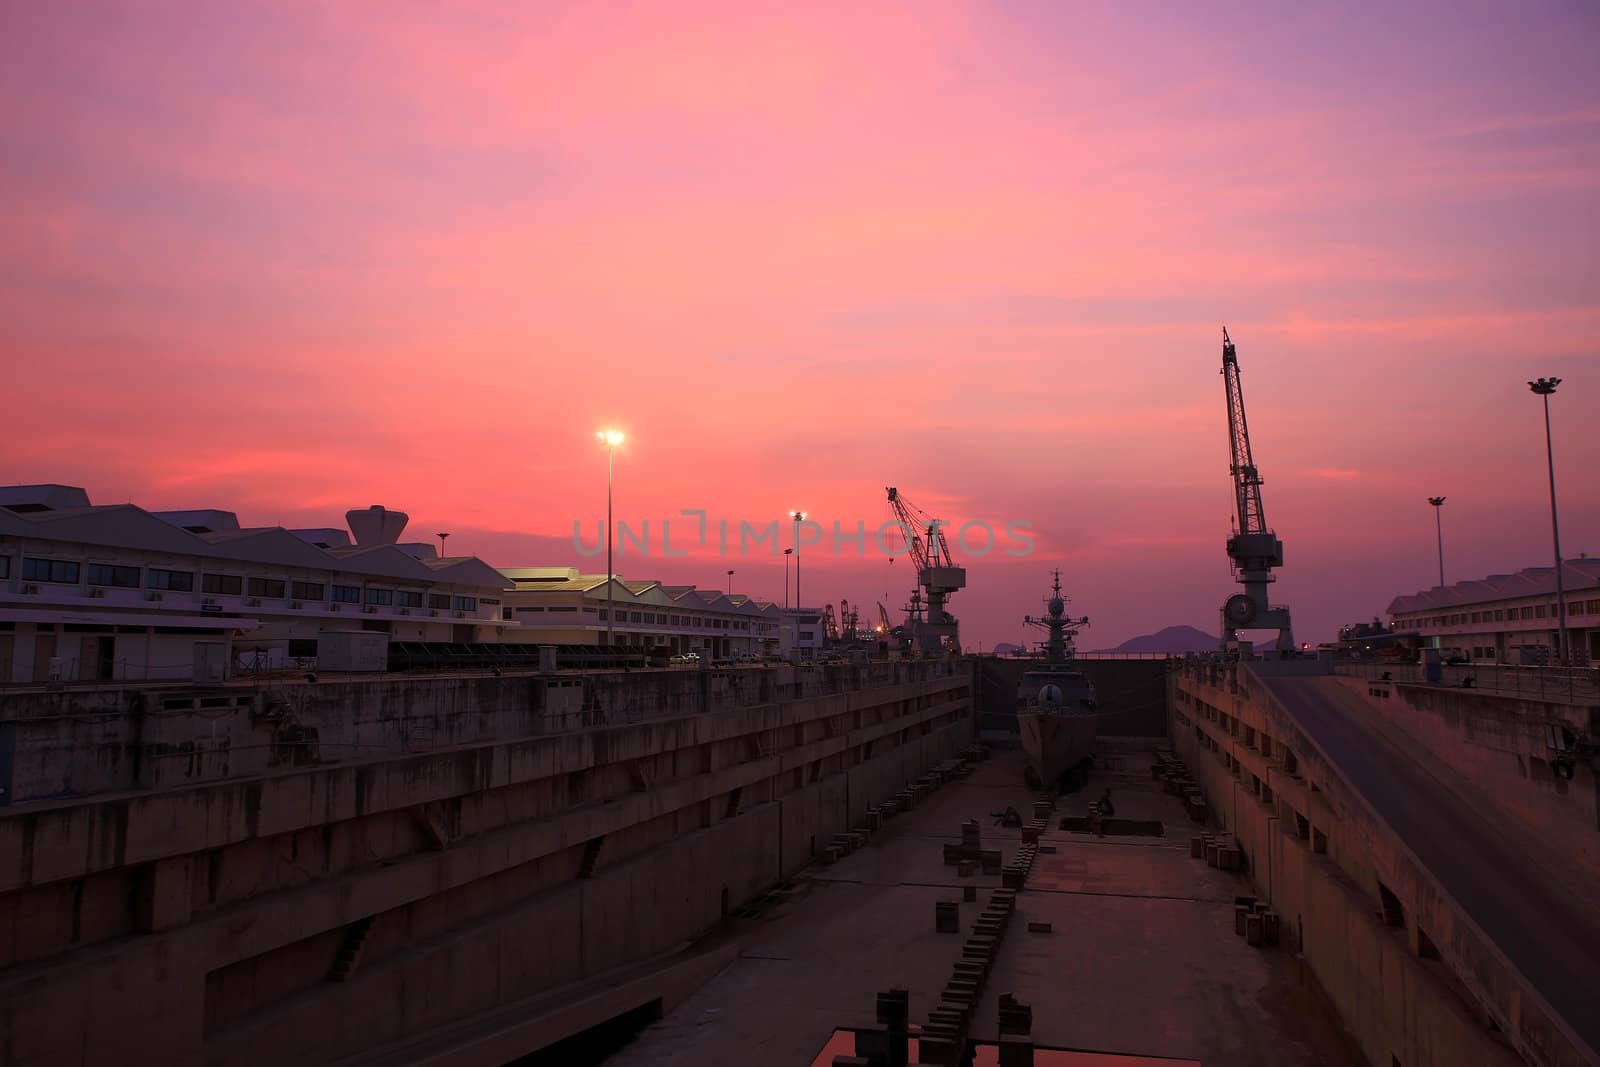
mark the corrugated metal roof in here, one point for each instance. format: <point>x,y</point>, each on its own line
<point>1577,575</point>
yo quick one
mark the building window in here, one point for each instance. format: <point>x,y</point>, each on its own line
<point>106,574</point>
<point>1538,611</point>
<point>380,596</point>
<point>438,600</point>
<point>5,566</point>
<point>267,587</point>
<point>1499,615</point>
<point>307,590</point>
<point>466,603</point>
<point>346,594</point>
<point>49,570</point>
<point>225,584</point>
<point>177,581</point>
<point>505,613</point>
<point>408,598</point>
<point>603,617</point>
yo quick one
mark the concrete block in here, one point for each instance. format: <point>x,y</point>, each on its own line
<point>1038,928</point>
<point>1253,930</point>
<point>1015,1050</point>
<point>1030,834</point>
<point>967,868</point>
<point>969,893</point>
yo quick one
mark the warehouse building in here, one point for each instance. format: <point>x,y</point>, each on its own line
<point>1508,618</point>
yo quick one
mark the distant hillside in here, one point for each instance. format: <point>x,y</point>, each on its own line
<point>1172,639</point>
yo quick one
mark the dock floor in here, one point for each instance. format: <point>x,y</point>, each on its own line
<point>1142,958</point>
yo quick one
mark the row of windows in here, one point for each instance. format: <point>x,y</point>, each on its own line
<point>1527,611</point>
<point>663,619</point>
<point>69,572</point>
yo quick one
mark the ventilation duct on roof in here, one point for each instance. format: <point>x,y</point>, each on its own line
<point>376,525</point>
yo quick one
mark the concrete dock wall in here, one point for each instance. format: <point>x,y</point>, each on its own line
<point>578,833</point>
<point>1323,877</point>
<point>1499,746</point>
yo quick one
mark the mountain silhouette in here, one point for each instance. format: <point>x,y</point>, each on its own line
<point>1171,639</point>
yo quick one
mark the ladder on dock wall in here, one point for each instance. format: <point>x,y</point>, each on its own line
<point>355,940</point>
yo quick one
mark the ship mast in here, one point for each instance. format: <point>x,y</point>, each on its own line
<point>1060,627</point>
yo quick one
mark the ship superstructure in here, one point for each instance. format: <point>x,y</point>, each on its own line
<point>1056,703</point>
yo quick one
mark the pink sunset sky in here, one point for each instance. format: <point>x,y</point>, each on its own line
<point>287,259</point>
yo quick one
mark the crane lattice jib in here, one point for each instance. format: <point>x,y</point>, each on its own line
<point>925,534</point>
<point>1246,480</point>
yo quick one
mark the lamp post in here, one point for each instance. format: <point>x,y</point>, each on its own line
<point>799,517</point>
<point>730,583</point>
<point>1438,529</point>
<point>611,439</point>
<point>1543,388</point>
<point>441,543</point>
<point>786,554</point>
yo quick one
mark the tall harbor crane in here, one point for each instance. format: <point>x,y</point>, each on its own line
<point>1253,549</point>
<point>937,574</point>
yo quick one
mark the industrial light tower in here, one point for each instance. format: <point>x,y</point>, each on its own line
<point>1438,528</point>
<point>611,439</point>
<point>798,517</point>
<point>1254,549</point>
<point>1543,388</point>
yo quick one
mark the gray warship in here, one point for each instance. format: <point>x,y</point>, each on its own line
<point>1056,704</point>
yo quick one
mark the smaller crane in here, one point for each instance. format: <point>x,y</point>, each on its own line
<point>830,624</point>
<point>937,574</point>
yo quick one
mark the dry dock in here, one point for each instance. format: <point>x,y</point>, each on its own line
<point>1142,958</point>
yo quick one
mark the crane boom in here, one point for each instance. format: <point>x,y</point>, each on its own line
<point>1246,479</point>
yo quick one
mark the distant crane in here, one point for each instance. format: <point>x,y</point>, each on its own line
<point>830,625</point>
<point>883,618</point>
<point>937,574</point>
<point>1253,549</point>
<point>848,619</point>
